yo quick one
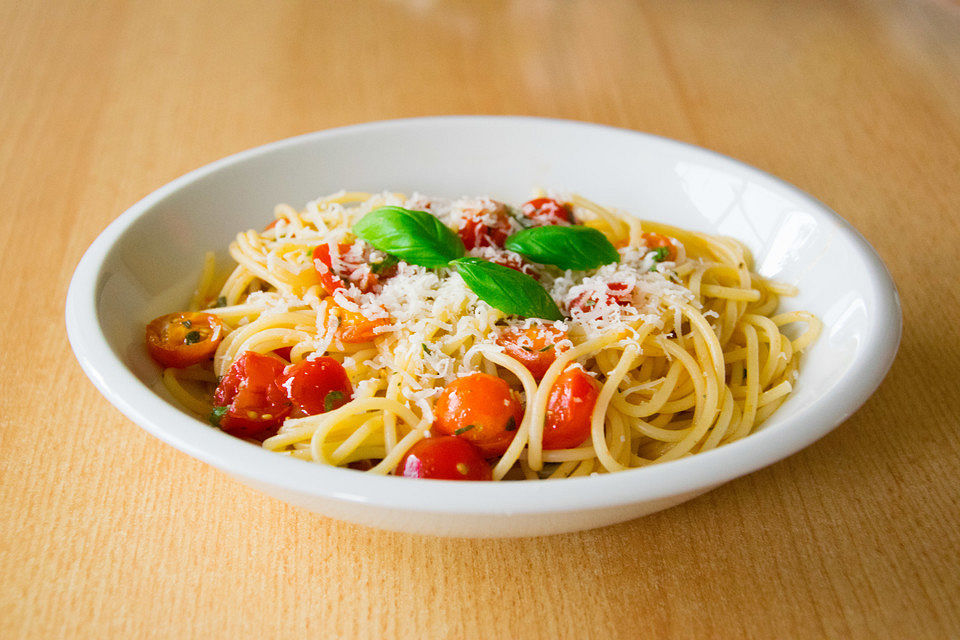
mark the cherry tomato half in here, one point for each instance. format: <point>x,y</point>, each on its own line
<point>535,347</point>
<point>481,409</point>
<point>444,458</point>
<point>547,211</point>
<point>569,407</point>
<point>183,339</point>
<point>486,229</point>
<point>355,327</point>
<point>250,399</point>
<point>316,386</point>
<point>656,240</point>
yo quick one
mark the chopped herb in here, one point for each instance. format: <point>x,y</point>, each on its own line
<point>383,265</point>
<point>511,424</point>
<point>192,337</point>
<point>659,255</point>
<point>331,399</point>
<point>528,349</point>
<point>546,348</point>
<point>216,415</point>
<point>462,430</point>
<point>221,302</point>
<point>425,348</point>
<point>187,324</point>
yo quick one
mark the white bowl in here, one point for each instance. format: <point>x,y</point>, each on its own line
<point>146,263</point>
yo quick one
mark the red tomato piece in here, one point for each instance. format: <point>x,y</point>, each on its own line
<point>486,229</point>
<point>284,352</point>
<point>444,458</point>
<point>569,407</point>
<point>355,327</point>
<point>316,386</point>
<point>249,399</point>
<point>515,262</point>
<point>481,409</point>
<point>183,339</point>
<point>331,279</point>
<point>656,240</point>
<point>535,347</point>
<point>547,211</point>
<point>619,293</point>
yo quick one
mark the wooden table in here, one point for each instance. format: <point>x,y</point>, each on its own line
<point>105,532</point>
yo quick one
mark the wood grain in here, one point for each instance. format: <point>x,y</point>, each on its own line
<point>105,532</point>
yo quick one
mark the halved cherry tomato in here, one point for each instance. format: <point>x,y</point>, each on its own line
<point>444,458</point>
<point>250,397</point>
<point>316,386</point>
<point>547,211</point>
<point>330,279</point>
<point>535,347</point>
<point>619,293</point>
<point>486,229</point>
<point>183,339</point>
<point>481,409</point>
<point>656,240</point>
<point>569,407</point>
<point>355,327</point>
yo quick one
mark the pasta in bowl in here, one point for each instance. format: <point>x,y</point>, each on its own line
<point>469,339</point>
<point>145,265</point>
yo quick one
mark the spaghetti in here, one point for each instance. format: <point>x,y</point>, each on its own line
<point>673,349</point>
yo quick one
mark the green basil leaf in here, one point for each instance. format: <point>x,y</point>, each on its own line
<point>579,248</point>
<point>506,289</point>
<point>414,236</point>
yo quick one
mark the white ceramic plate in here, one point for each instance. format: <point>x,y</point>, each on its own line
<point>146,263</point>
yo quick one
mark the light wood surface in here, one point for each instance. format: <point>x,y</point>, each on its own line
<point>107,533</point>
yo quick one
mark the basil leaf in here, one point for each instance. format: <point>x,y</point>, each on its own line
<point>414,236</point>
<point>506,289</point>
<point>579,248</point>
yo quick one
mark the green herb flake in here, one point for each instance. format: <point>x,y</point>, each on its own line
<point>383,265</point>
<point>187,324</point>
<point>546,348</point>
<point>221,302</point>
<point>331,399</point>
<point>192,337</point>
<point>216,415</point>
<point>463,430</point>
<point>659,255</point>
<point>527,349</point>
<point>511,424</point>
<point>425,348</point>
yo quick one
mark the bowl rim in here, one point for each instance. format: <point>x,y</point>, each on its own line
<point>265,468</point>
